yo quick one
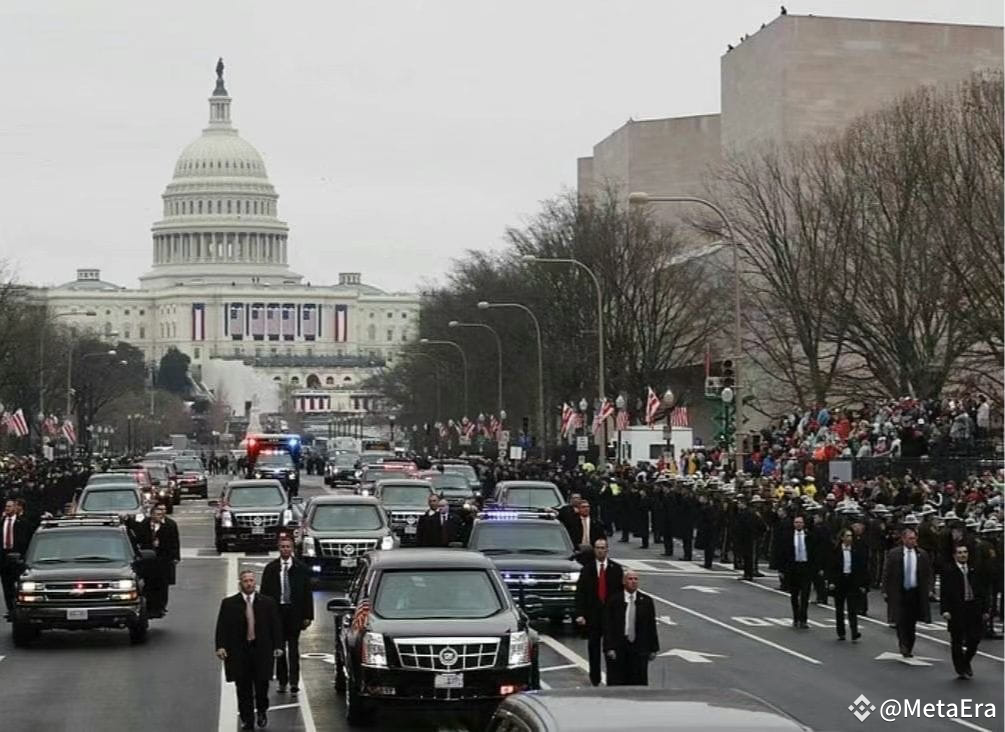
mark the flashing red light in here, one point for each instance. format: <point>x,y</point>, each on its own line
<point>252,442</point>
<point>506,689</point>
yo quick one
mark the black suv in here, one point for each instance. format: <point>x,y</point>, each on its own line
<point>340,470</point>
<point>339,529</point>
<point>121,498</point>
<point>535,558</point>
<point>277,466</point>
<point>430,628</point>
<point>252,514</point>
<point>78,574</point>
<point>405,501</point>
<point>536,495</point>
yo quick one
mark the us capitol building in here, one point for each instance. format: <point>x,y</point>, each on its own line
<point>220,290</point>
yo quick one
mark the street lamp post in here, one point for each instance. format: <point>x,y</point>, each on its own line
<point>644,198</point>
<point>600,310</point>
<point>436,373</point>
<point>464,361</point>
<point>41,354</point>
<point>390,420</point>
<point>484,305</point>
<point>499,396</point>
<point>69,373</point>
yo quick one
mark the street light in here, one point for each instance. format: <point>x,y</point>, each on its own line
<point>459,324</point>
<point>484,305</point>
<point>639,198</point>
<point>41,353</point>
<point>530,258</point>
<point>464,361</point>
<point>69,372</point>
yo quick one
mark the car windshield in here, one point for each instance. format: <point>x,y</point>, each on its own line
<point>447,483</point>
<point>111,478</point>
<point>533,497</point>
<point>124,500</point>
<point>412,594</point>
<point>377,456</point>
<point>344,461</point>
<point>157,472</point>
<point>274,460</point>
<point>70,545</point>
<point>256,495</point>
<point>189,464</point>
<point>339,517</point>
<point>406,495</point>
<point>466,471</point>
<point>520,537</point>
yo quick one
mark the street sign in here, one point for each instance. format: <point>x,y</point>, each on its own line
<point>503,435</point>
<point>582,444</point>
<point>465,440</point>
<point>516,453</point>
<point>667,432</point>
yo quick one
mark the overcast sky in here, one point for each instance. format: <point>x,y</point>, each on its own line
<point>397,133</point>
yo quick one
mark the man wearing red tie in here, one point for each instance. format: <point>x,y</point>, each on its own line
<point>15,533</point>
<point>599,579</point>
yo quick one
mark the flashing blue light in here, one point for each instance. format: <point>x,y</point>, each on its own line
<point>501,515</point>
<point>294,441</point>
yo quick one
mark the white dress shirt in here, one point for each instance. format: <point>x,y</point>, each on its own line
<point>846,563</point>
<point>630,625</point>
<point>799,545</point>
<point>910,568</point>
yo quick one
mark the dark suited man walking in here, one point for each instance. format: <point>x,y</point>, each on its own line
<point>585,530</point>
<point>288,582</point>
<point>964,605</point>
<point>439,528</point>
<point>630,637</point>
<point>249,636</point>
<point>907,575</point>
<point>15,534</point>
<point>599,580</point>
<point>160,534</point>
<point>799,562</point>
<point>849,577</point>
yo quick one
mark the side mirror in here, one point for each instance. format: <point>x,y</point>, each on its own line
<point>340,601</point>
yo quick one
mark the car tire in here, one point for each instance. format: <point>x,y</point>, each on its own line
<point>357,712</point>
<point>23,634</point>
<point>535,673</point>
<point>221,546</point>
<point>138,631</point>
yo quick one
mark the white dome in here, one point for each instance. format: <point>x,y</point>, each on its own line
<point>220,153</point>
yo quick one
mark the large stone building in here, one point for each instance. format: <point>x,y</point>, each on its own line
<point>797,76</point>
<point>220,289</point>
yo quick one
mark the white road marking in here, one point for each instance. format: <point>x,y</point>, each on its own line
<point>913,661</point>
<point>284,706</point>
<point>563,667</point>
<point>665,619</point>
<point>228,697</point>
<point>569,654</point>
<point>692,656</point>
<point>733,629</point>
<point>704,589</point>
<point>305,707</point>
<point>965,723</point>
<point>878,622</point>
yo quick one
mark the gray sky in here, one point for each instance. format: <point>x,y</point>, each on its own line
<point>397,133</point>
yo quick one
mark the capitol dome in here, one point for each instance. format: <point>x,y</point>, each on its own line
<point>220,222</point>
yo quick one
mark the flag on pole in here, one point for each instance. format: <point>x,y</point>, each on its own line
<point>69,431</point>
<point>17,423</point>
<point>679,417</point>
<point>603,414</point>
<point>621,423</point>
<point>568,415</point>
<point>652,406</point>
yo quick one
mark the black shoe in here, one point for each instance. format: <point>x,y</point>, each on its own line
<point>795,623</point>
<point>759,574</point>
<point>855,636</point>
<point>263,720</point>
<point>969,672</point>
<point>247,725</point>
<point>804,625</point>
<point>961,675</point>
<point>840,637</point>
<point>294,689</point>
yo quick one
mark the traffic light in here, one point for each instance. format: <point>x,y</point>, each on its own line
<point>728,375</point>
<point>725,420</point>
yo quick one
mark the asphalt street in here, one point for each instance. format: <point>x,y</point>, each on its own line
<point>715,631</point>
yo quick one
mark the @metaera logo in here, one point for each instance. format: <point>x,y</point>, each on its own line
<point>862,708</point>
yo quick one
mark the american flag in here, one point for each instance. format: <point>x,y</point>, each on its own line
<point>309,322</point>
<point>652,406</point>
<point>235,321</point>
<point>257,319</point>
<point>341,323</point>
<point>360,616</point>
<point>568,413</point>
<point>495,426</point>
<point>17,424</point>
<point>679,418</point>
<point>272,321</point>
<point>50,425</point>
<point>69,431</point>
<point>470,429</point>
<point>605,411</point>
<point>621,422</point>
<point>198,321</point>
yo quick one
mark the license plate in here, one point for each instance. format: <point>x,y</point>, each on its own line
<point>448,681</point>
<point>410,529</point>
<point>349,562</point>
<point>76,614</point>
<point>257,530</point>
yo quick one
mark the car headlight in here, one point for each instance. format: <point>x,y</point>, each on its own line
<point>227,520</point>
<point>519,649</point>
<point>127,584</point>
<point>29,586</point>
<point>570,576</point>
<point>308,547</point>
<point>287,517</point>
<point>387,543</point>
<point>468,506</point>
<point>364,492</point>
<point>358,473</point>
<point>258,473</point>
<point>374,653</point>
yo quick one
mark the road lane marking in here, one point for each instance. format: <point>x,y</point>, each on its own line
<point>570,655</point>
<point>703,589</point>
<point>273,708</point>
<point>305,707</point>
<point>563,667</point>
<point>738,631</point>
<point>965,723</point>
<point>913,661</point>
<point>228,697</point>
<point>877,622</point>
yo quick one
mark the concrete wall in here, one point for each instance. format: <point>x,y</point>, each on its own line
<point>804,75</point>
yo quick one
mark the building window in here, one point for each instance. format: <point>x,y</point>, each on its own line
<point>404,315</point>
<point>195,353</point>
<point>390,315</point>
<point>371,315</point>
<point>390,334</point>
<point>371,332</point>
<point>143,332</point>
<point>200,206</point>
<point>294,379</point>
<point>142,312</point>
<point>275,351</point>
<point>347,379</point>
<point>277,378</point>
<point>237,351</point>
<point>125,333</point>
<point>329,381</point>
<point>228,206</point>
<point>127,311</point>
<point>404,336</point>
